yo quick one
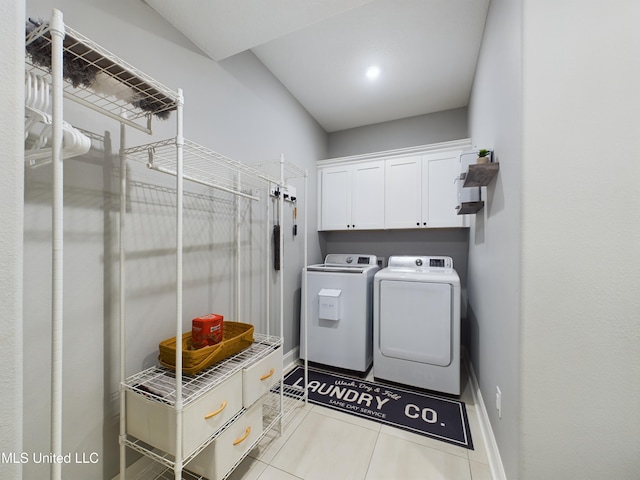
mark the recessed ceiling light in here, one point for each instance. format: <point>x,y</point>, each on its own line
<point>373,72</point>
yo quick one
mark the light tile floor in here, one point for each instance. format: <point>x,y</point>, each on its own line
<point>320,443</point>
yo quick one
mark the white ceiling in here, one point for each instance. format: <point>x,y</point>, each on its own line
<point>320,50</point>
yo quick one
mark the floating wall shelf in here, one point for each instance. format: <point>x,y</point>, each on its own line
<point>468,208</point>
<point>478,175</point>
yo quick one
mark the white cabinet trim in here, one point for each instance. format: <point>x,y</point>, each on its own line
<point>463,144</point>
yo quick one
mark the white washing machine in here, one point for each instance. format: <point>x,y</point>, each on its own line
<point>340,311</point>
<point>416,315</point>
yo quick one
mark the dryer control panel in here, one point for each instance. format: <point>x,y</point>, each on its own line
<point>439,262</point>
<point>420,263</point>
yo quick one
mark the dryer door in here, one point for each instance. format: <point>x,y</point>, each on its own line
<point>415,321</point>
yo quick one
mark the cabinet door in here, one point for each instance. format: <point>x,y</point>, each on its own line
<point>367,200</point>
<point>439,199</point>
<point>403,197</point>
<point>335,201</point>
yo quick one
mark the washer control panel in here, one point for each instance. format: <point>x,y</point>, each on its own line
<point>350,259</point>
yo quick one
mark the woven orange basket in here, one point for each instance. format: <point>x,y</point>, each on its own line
<point>236,337</point>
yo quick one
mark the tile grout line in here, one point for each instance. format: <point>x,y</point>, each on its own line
<point>371,457</point>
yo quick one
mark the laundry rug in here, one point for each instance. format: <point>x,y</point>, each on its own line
<point>437,417</point>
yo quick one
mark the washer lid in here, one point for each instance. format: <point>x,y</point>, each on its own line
<point>346,263</point>
<point>339,268</point>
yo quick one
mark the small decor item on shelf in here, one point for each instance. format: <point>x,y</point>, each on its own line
<point>236,337</point>
<point>484,156</point>
<point>207,330</point>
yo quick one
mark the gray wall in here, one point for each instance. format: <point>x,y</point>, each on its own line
<point>555,329</point>
<point>11,244</point>
<point>235,107</point>
<point>385,243</point>
<point>408,132</point>
<point>494,282</point>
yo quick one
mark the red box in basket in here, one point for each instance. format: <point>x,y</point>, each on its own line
<point>206,330</point>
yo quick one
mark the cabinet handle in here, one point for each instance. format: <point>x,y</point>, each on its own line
<point>213,414</point>
<point>243,437</point>
<point>264,377</point>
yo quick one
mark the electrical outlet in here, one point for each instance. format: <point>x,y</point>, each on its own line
<point>499,401</point>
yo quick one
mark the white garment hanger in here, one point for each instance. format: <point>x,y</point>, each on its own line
<point>37,100</point>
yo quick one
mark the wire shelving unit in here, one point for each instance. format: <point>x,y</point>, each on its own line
<point>80,70</point>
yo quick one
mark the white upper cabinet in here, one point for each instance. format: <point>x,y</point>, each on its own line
<point>352,196</point>
<point>403,184</point>
<point>440,197</point>
<point>421,191</point>
<point>414,188</point>
<point>367,199</point>
<point>335,198</point>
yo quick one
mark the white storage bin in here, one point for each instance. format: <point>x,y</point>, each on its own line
<point>217,459</point>
<point>258,378</point>
<point>155,423</point>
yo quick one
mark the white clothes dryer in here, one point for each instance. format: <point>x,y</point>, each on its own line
<point>416,323</point>
<point>339,296</point>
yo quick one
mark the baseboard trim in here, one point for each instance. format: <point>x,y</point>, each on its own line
<point>290,358</point>
<point>493,454</point>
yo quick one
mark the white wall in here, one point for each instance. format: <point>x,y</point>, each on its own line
<point>235,107</point>
<point>495,122</point>
<point>580,334</point>
<point>407,132</point>
<point>11,246</point>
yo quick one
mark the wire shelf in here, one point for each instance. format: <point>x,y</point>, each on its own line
<point>290,170</point>
<point>201,165</point>
<point>169,475</point>
<point>291,399</point>
<point>98,79</point>
<point>159,383</point>
<point>155,471</point>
